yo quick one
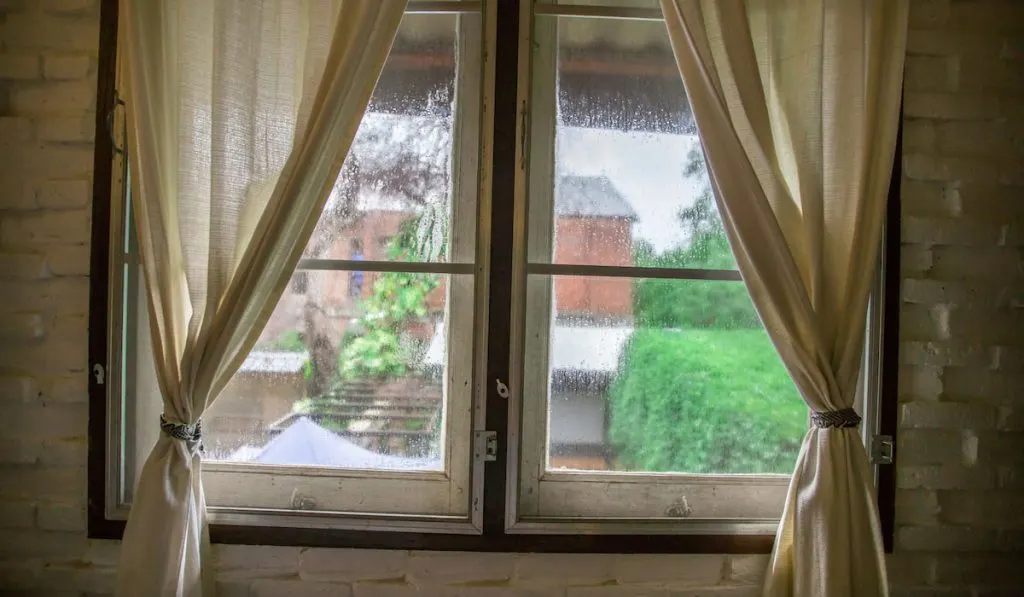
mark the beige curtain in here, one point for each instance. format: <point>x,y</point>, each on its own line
<point>240,113</point>
<point>797,102</point>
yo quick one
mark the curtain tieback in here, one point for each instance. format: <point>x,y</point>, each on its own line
<point>190,434</point>
<point>844,417</point>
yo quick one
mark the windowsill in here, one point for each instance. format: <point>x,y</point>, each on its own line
<point>511,543</point>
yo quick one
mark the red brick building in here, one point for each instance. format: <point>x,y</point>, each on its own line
<point>593,224</point>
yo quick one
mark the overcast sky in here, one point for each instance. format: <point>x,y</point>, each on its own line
<point>647,168</point>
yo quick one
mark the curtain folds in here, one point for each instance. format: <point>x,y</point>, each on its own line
<point>797,102</point>
<point>240,114</point>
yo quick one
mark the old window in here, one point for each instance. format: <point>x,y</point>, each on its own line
<point>343,390</point>
<point>518,324</point>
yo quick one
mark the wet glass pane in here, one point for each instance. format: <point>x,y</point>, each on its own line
<point>400,161</point>
<point>348,372</point>
<point>652,375</point>
<point>340,377</point>
<point>630,185</point>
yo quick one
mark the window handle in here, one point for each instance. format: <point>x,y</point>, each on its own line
<point>502,388</point>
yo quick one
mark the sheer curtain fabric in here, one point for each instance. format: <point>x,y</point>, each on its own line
<point>797,103</point>
<point>240,113</point>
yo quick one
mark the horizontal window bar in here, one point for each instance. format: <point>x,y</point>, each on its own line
<point>320,520</point>
<point>600,12</point>
<point>643,526</point>
<point>427,7</point>
<point>407,267</point>
<point>611,271</point>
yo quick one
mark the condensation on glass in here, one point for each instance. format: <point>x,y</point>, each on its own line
<point>640,375</point>
<point>351,371</point>
<point>657,375</point>
<point>627,158</point>
<point>341,379</point>
<point>398,172</point>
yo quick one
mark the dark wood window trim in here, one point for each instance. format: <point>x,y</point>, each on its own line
<point>888,407</point>
<point>493,538</point>
<point>99,275</point>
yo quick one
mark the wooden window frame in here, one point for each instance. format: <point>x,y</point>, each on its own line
<point>498,182</point>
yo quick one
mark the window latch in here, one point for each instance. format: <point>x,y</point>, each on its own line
<point>485,446</point>
<point>882,449</point>
<point>501,388</point>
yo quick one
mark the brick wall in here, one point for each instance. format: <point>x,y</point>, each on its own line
<point>960,506</point>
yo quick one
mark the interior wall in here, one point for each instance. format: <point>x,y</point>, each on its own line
<point>960,504</point>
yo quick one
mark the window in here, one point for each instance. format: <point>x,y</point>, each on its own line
<point>643,360</point>
<point>341,390</point>
<point>518,324</point>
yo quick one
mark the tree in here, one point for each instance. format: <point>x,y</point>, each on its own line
<point>380,348</point>
<point>700,388</point>
<point>694,304</point>
<point>705,401</point>
<point>405,158</point>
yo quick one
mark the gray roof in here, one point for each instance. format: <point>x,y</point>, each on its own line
<point>591,196</point>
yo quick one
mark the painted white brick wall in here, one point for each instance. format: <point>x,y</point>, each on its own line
<point>959,498</point>
<point>961,461</point>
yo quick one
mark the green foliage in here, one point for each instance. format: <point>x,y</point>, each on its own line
<point>414,424</point>
<point>711,396</point>
<point>705,401</point>
<point>706,304</point>
<point>290,341</point>
<point>294,341</point>
<point>334,424</point>
<point>395,299</point>
<point>693,304</point>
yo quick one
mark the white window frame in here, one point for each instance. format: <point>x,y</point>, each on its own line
<point>543,501</point>
<point>446,501</point>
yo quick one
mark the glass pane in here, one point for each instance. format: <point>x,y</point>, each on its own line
<point>352,371</point>
<point>630,184</point>
<point>398,171</point>
<point>340,377</point>
<point>652,375</point>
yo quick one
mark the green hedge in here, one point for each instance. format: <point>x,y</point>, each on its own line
<point>705,401</point>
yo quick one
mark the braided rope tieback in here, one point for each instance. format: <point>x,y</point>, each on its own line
<point>844,417</point>
<point>192,434</point>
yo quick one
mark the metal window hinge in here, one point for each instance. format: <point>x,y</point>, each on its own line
<point>882,449</point>
<point>485,446</point>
